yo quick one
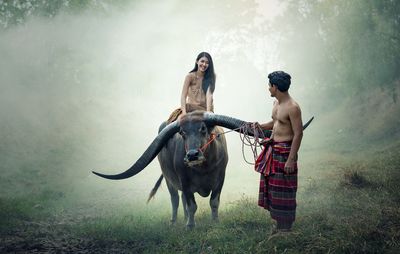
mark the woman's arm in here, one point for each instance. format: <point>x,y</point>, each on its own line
<point>185,93</point>
<point>209,99</point>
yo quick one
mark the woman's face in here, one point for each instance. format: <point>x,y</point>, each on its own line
<point>202,64</point>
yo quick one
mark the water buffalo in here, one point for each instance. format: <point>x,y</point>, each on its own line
<point>193,155</point>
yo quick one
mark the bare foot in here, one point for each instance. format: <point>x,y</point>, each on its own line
<point>278,232</point>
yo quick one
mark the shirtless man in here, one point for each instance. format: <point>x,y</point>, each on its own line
<point>278,185</point>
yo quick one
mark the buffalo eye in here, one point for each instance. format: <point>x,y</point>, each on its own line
<point>182,133</point>
<point>203,129</point>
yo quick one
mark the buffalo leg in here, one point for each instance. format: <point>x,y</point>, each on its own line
<point>214,204</point>
<point>184,204</point>
<point>191,209</point>
<point>214,201</point>
<point>174,201</point>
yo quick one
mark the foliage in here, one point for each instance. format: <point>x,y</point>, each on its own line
<point>13,12</point>
<point>350,46</point>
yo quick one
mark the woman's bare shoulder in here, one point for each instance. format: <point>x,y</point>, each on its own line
<point>189,78</point>
<point>191,75</point>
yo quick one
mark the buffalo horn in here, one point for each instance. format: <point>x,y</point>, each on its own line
<point>235,124</point>
<point>230,123</point>
<point>148,155</point>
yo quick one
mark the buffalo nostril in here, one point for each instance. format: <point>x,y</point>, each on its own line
<point>192,155</point>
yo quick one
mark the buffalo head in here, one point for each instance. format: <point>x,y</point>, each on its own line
<point>196,135</point>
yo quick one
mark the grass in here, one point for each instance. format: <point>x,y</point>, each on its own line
<point>346,206</point>
<point>348,202</point>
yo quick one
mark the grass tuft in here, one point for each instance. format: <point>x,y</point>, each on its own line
<point>355,179</point>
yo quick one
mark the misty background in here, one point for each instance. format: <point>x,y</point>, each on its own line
<point>86,84</point>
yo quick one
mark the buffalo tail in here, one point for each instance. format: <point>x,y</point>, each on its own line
<point>155,188</point>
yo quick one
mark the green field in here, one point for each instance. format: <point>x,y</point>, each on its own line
<point>348,202</point>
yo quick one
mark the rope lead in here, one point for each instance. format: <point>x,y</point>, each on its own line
<point>254,142</point>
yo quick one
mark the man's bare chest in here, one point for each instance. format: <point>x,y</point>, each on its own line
<point>280,114</point>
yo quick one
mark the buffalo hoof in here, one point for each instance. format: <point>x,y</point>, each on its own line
<point>215,220</point>
<point>190,226</point>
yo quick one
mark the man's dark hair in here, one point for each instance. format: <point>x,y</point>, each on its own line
<point>280,79</point>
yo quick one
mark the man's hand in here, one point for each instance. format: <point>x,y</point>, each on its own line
<point>289,166</point>
<point>255,125</point>
<point>257,128</point>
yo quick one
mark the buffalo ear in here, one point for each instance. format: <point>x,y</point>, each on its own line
<point>210,127</point>
<point>213,129</point>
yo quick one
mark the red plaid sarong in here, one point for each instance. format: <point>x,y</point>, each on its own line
<point>264,163</point>
<point>278,190</point>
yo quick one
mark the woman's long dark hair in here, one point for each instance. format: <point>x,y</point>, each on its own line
<point>209,75</point>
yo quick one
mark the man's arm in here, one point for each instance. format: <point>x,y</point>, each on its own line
<point>297,127</point>
<point>267,126</point>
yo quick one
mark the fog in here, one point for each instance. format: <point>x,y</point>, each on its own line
<point>88,90</point>
<point>85,85</point>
